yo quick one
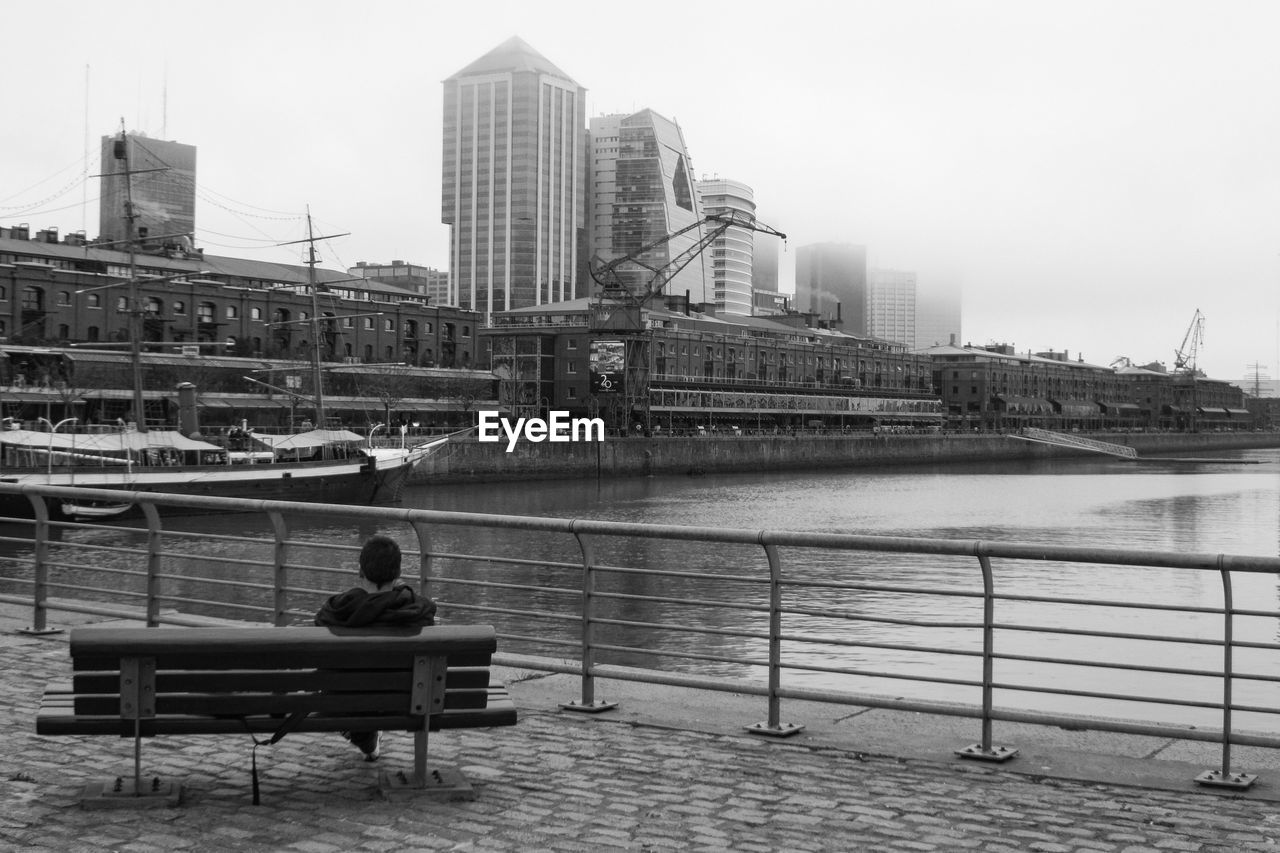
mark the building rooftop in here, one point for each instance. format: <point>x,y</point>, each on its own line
<point>513,55</point>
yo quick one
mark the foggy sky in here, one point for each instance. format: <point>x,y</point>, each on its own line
<point>1090,173</point>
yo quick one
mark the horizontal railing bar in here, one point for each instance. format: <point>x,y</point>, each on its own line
<point>219,582</point>
<point>819,639</point>
<point>683,629</point>
<point>1115,697</point>
<point>557,590</point>
<point>528,614</point>
<point>684,602</point>
<point>671,573</point>
<point>106,570</point>
<point>1133,667</point>
<point>1109,635</point>
<point>176,599</point>
<point>875,673</point>
<point>881,620</point>
<point>81,588</point>
<point>1086,602</point>
<point>676,653</point>
<point>948,592</point>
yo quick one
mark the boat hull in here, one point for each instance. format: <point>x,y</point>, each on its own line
<point>357,481</point>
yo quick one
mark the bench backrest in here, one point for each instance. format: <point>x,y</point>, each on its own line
<point>143,673</point>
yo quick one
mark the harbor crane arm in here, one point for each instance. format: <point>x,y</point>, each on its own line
<point>612,286</point>
<point>1184,357</point>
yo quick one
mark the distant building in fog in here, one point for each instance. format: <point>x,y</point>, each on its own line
<point>764,263</point>
<point>891,305</point>
<point>831,283</point>
<point>164,200</point>
<point>938,313</point>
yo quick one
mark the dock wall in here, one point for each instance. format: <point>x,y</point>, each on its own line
<point>468,460</point>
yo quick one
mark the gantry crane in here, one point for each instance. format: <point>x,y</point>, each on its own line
<point>626,285</point>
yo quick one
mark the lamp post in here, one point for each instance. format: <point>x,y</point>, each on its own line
<point>52,429</point>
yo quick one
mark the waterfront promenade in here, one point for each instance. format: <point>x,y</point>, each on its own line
<point>671,769</point>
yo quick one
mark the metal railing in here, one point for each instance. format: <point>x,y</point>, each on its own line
<point>753,613</point>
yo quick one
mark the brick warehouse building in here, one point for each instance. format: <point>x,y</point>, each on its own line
<point>58,293</point>
<point>689,371</point>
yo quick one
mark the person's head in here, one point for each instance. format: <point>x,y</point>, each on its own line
<point>380,560</point>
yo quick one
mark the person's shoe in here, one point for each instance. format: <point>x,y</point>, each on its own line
<point>367,742</point>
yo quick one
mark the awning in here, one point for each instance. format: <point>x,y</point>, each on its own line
<point>1172,410</point>
<point>53,396</point>
<point>1120,408</point>
<point>1239,413</point>
<point>1212,412</point>
<point>1025,405</point>
<point>1077,408</point>
<point>311,439</point>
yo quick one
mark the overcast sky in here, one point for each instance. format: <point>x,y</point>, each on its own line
<point>1091,173</point>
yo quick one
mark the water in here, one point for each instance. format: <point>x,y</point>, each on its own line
<point>1204,507</point>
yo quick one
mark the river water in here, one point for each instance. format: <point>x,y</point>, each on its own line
<point>1230,505</point>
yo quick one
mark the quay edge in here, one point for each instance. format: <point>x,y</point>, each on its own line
<point>469,460</point>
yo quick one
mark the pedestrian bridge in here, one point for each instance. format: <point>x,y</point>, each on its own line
<point>1076,442</point>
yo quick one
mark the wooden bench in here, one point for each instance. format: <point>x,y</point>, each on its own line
<point>141,682</point>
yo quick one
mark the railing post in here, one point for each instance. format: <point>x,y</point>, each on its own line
<point>589,703</point>
<point>154,545</point>
<point>773,727</point>
<point>424,557</point>
<point>280,568</point>
<point>1223,777</point>
<point>40,571</point>
<point>985,751</point>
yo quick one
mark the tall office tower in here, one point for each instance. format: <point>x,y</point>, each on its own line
<point>642,190</point>
<point>512,181</point>
<point>765,263</point>
<point>731,252</point>
<point>831,282</point>
<point>938,310</point>
<point>164,200</point>
<point>891,305</point>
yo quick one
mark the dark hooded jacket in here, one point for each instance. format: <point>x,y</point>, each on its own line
<point>398,607</point>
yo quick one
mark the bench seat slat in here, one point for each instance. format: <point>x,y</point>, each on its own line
<point>456,678</point>
<point>57,717</point>
<point>214,704</point>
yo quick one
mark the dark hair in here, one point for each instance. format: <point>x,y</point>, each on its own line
<point>380,559</point>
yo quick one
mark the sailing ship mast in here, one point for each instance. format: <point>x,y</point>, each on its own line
<point>316,374</point>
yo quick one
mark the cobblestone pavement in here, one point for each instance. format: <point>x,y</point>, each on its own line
<point>564,782</point>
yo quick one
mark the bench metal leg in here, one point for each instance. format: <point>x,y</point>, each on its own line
<point>438,784</point>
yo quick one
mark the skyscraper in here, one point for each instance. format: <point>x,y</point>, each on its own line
<point>891,305</point>
<point>642,190</point>
<point>513,181</point>
<point>831,282</point>
<point>164,199</point>
<point>731,253</point>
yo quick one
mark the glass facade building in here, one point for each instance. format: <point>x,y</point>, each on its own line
<point>164,200</point>
<point>642,189</point>
<point>732,255</point>
<point>512,181</point>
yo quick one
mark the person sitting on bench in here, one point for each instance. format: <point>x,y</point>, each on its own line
<point>381,600</point>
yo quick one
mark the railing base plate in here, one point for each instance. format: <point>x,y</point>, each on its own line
<point>1215,779</point>
<point>117,792</point>
<point>780,730</point>
<point>589,707</point>
<point>39,632</point>
<point>995,753</point>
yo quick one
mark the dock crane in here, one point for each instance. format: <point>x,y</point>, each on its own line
<point>1184,357</point>
<point>1184,366</point>
<point>623,290</point>
<point>626,286</point>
